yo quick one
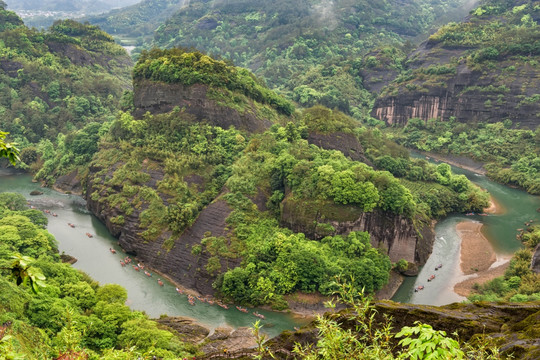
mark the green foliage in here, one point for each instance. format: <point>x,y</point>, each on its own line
<point>360,333</point>
<point>8,150</point>
<point>519,282</point>
<point>512,155</point>
<point>26,275</point>
<point>428,343</point>
<point>188,68</point>
<point>309,51</point>
<point>70,314</point>
<point>56,82</point>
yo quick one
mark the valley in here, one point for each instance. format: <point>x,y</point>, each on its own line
<point>261,156</point>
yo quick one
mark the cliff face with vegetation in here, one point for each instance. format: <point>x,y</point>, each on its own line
<point>482,70</point>
<point>309,50</point>
<point>156,98</point>
<point>177,262</point>
<point>511,326</point>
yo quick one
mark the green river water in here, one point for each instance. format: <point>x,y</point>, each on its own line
<point>501,230</point>
<point>145,294</point>
<point>95,259</point>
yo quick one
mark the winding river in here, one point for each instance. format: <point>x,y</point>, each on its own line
<point>517,207</point>
<point>145,294</point>
<point>95,259</point>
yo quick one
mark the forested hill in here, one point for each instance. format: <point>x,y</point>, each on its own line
<point>67,5</point>
<point>472,89</point>
<point>483,69</point>
<point>136,24</point>
<point>57,81</point>
<point>310,50</point>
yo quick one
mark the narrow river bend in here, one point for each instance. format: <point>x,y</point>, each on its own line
<point>94,258</point>
<point>517,208</point>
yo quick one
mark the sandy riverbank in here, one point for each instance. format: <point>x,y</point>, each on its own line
<point>494,207</point>
<point>477,258</point>
<point>477,254</point>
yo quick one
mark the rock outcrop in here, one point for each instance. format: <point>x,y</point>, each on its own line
<point>347,143</point>
<point>535,261</point>
<point>69,183</point>
<point>513,326</point>
<point>160,98</point>
<point>468,94</point>
<point>179,264</point>
<point>397,235</point>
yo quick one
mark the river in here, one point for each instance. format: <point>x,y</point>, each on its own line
<point>517,208</point>
<point>95,259</point>
<point>145,294</point>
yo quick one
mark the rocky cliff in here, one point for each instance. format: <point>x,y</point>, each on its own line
<point>347,143</point>
<point>470,94</point>
<point>484,69</point>
<point>397,235</point>
<point>177,263</point>
<point>535,261</point>
<point>159,98</point>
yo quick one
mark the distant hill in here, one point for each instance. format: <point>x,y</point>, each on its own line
<point>68,5</point>
<point>482,69</point>
<point>135,25</point>
<point>310,50</point>
<point>57,81</point>
<point>41,14</point>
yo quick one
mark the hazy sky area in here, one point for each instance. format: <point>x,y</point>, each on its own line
<point>67,5</point>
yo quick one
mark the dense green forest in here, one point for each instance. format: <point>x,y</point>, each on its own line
<point>310,51</point>
<point>53,310</point>
<point>281,164</point>
<point>512,156</point>
<point>57,81</point>
<point>135,25</point>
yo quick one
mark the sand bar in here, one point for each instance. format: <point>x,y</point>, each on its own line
<point>478,259</point>
<point>477,254</point>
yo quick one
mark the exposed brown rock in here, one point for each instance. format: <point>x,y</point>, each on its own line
<point>396,234</point>
<point>463,95</point>
<point>535,261</point>
<point>512,325</point>
<point>160,98</point>
<point>10,68</point>
<point>188,330</point>
<point>178,264</point>
<point>69,183</point>
<point>347,143</point>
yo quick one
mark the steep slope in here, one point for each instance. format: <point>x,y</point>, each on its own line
<point>307,49</point>
<point>56,81</point>
<point>213,91</point>
<point>482,70</point>
<point>245,212</point>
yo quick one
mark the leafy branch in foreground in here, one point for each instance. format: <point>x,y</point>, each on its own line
<point>8,150</point>
<point>360,333</point>
<point>23,273</point>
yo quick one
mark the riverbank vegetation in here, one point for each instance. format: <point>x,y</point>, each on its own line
<point>51,310</point>
<point>170,164</point>
<point>512,156</point>
<point>197,164</point>
<point>519,283</point>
